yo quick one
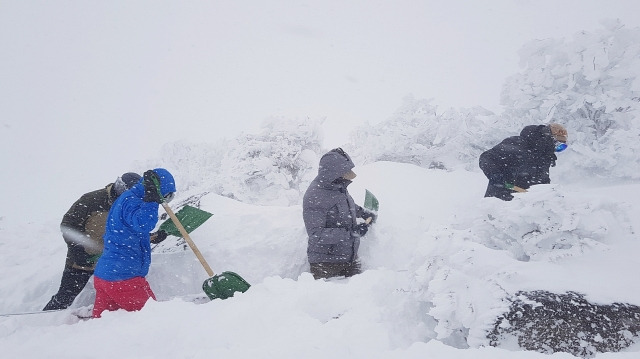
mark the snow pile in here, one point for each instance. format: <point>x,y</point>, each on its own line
<point>476,261</point>
<point>429,277</point>
<point>549,223</point>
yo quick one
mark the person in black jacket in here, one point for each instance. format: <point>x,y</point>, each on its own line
<point>82,229</point>
<point>518,162</point>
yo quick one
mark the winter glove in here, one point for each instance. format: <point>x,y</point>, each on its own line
<point>158,236</point>
<point>151,190</point>
<point>360,230</point>
<point>366,215</point>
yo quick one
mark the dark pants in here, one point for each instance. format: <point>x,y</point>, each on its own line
<point>499,192</point>
<point>329,270</point>
<point>74,279</point>
<point>72,283</point>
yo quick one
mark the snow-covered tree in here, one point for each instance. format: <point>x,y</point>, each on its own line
<point>421,135</point>
<point>592,86</point>
<point>273,166</point>
<point>192,164</point>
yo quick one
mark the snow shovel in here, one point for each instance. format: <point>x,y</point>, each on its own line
<point>190,218</point>
<point>370,201</point>
<point>222,285</point>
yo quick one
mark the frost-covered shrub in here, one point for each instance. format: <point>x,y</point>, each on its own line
<point>547,322</point>
<point>193,165</point>
<point>465,269</point>
<point>548,223</point>
<point>270,167</point>
<point>592,86</point>
<point>420,135</point>
<point>273,166</point>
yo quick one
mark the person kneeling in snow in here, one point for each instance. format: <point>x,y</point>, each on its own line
<point>119,276</point>
<point>329,215</point>
<point>518,162</point>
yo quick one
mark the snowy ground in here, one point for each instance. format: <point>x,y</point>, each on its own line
<point>439,263</point>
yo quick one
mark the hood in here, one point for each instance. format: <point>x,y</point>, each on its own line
<point>538,138</point>
<point>167,183</point>
<point>334,164</point>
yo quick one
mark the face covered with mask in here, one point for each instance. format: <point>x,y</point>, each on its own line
<point>560,137</point>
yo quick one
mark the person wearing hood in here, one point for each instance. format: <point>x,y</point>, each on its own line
<point>119,277</point>
<point>82,229</point>
<point>330,217</point>
<point>518,162</point>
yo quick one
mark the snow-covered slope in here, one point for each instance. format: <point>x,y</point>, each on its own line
<point>439,264</point>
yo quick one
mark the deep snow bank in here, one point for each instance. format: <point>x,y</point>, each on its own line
<point>440,263</point>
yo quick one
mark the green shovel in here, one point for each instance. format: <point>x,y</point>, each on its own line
<point>370,201</point>
<point>222,285</point>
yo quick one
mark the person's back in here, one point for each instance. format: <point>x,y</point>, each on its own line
<point>127,248</point>
<point>520,161</point>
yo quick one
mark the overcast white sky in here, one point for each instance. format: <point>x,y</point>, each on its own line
<point>89,86</point>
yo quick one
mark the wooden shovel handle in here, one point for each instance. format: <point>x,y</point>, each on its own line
<point>519,189</point>
<point>186,237</point>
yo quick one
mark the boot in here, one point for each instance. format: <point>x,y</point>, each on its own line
<point>72,283</point>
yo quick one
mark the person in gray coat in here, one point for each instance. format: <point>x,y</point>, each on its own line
<point>330,217</point>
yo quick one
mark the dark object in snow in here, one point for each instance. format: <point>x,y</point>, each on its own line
<point>547,322</point>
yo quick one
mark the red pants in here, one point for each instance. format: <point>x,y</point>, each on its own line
<point>130,295</point>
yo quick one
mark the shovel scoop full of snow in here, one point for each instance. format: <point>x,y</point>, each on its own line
<point>224,285</point>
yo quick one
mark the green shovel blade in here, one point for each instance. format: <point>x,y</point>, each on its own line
<point>223,286</point>
<point>370,201</point>
<point>190,218</point>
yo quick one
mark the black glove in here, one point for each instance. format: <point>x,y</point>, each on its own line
<point>360,230</point>
<point>158,237</point>
<point>151,191</point>
<point>366,215</point>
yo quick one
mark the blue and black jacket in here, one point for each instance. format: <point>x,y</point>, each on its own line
<point>127,247</point>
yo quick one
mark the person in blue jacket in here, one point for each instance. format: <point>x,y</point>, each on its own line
<point>119,277</point>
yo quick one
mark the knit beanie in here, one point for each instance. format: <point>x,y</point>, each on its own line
<point>126,181</point>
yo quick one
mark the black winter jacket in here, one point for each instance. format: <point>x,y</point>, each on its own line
<point>522,161</point>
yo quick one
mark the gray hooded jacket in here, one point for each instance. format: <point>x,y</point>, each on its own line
<point>330,213</point>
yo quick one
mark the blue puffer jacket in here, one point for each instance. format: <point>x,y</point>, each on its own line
<point>127,248</point>
<point>330,213</point>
